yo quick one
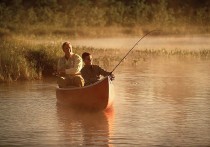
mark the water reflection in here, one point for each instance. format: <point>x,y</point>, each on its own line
<point>170,98</point>
<point>85,128</point>
<point>159,102</point>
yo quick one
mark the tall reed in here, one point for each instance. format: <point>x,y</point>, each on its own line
<point>20,60</point>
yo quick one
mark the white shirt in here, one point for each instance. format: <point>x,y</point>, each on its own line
<point>71,66</point>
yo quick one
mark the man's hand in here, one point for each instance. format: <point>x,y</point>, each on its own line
<point>112,77</point>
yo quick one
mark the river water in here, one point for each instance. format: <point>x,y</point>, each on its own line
<point>169,43</point>
<point>159,102</point>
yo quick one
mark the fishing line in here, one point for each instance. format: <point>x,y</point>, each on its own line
<point>132,49</point>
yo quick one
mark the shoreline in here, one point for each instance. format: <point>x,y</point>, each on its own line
<point>169,42</point>
<point>29,59</point>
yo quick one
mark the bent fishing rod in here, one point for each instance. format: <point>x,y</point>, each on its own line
<point>132,49</point>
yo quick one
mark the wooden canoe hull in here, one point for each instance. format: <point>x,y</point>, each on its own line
<point>97,96</point>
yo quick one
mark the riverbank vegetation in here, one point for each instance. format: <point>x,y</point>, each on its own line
<point>92,18</point>
<point>28,28</point>
<point>21,60</point>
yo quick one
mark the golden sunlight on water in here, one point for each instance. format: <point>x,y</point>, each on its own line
<point>126,43</point>
<point>86,128</point>
<point>169,43</point>
<point>159,102</point>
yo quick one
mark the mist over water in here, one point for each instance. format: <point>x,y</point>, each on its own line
<point>160,101</point>
<point>149,42</point>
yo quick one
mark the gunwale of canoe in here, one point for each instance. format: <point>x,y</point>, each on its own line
<point>97,96</point>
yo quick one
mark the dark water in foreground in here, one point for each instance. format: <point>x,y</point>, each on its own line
<point>159,102</point>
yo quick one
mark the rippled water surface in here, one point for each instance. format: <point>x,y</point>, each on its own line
<point>163,102</point>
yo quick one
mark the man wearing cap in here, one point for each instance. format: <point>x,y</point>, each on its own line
<point>69,67</point>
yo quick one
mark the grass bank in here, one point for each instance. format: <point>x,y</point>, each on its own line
<point>25,60</point>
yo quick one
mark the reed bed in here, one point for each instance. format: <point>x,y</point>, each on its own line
<point>21,60</point>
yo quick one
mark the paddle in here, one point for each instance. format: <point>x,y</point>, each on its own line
<point>132,49</point>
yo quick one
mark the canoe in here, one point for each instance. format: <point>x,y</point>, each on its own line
<point>98,96</point>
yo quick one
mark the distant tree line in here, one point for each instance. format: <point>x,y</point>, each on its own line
<point>101,13</point>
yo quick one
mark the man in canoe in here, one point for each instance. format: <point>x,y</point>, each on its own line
<point>69,67</point>
<point>91,73</point>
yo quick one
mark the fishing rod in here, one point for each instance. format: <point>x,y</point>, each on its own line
<point>132,49</point>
